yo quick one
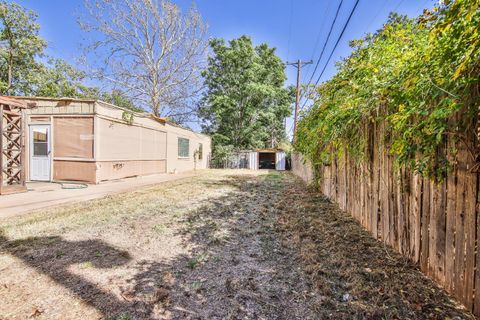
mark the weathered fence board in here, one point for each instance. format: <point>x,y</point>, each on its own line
<point>470,234</point>
<point>435,224</point>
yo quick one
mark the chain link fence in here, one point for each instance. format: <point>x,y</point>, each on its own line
<point>237,160</point>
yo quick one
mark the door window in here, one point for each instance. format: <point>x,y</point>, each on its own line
<point>40,142</point>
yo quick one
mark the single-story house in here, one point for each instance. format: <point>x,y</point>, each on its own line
<point>94,141</point>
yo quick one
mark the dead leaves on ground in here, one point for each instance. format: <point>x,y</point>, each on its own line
<point>356,276</point>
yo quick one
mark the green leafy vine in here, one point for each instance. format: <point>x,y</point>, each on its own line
<point>411,78</point>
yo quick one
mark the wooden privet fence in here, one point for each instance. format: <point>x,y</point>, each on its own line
<point>435,224</point>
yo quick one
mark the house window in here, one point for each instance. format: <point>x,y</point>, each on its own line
<point>183,148</point>
<point>200,151</point>
<point>73,137</point>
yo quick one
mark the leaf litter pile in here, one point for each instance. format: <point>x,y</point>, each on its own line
<point>222,245</point>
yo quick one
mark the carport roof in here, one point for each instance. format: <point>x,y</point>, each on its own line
<point>268,150</point>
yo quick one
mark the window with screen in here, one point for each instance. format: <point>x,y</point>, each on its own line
<point>183,148</point>
<point>200,151</point>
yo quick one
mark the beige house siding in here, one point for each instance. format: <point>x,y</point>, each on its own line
<point>112,148</point>
<point>120,141</point>
<point>110,170</point>
<point>180,164</point>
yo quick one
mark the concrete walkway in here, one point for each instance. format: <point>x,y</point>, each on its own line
<point>43,194</point>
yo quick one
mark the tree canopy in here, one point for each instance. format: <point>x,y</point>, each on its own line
<point>150,50</point>
<point>413,75</point>
<point>245,102</point>
<point>20,44</point>
<point>26,70</point>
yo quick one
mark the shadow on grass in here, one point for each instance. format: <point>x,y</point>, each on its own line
<point>236,268</point>
<point>217,280</point>
<point>53,256</point>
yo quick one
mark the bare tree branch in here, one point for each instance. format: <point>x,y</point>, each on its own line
<point>149,50</point>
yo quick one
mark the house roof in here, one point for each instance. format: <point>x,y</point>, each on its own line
<point>51,99</point>
<point>69,100</point>
<point>13,102</point>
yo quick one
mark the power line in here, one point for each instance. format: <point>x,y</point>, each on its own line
<point>398,5</point>
<point>290,29</point>
<point>393,10</point>
<point>325,43</point>
<point>376,16</point>
<point>366,29</point>
<point>335,46</point>
<point>320,33</point>
<point>291,128</point>
<point>423,7</point>
<point>338,40</point>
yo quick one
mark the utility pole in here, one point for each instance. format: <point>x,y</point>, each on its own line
<point>297,64</point>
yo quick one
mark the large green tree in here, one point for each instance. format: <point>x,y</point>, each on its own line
<point>25,70</point>
<point>57,78</point>
<point>20,43</point>
<point>245,101</point>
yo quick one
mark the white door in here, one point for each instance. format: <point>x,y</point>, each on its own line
<point>280,160</point>
<point>40,156</point>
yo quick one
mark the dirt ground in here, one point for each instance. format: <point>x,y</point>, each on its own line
<point>223,244</point>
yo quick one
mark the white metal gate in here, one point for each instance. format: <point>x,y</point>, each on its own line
<point>280,161</point>
<point>253,161</point>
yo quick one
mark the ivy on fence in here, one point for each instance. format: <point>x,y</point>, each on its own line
<point>413,75</point>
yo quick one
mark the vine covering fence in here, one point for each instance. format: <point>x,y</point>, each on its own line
<point>393,142</point>
<point>435,224</point>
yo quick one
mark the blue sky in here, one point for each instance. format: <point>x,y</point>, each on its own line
<point>292,26</point>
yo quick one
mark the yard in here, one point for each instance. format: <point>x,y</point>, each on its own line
<point>219,245</point>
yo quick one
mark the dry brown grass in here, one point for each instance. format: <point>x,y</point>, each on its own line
<point>221,245</point>
<point>356,276</point>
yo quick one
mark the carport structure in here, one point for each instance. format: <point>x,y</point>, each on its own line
<point>12,146</point>
<point>273,159</point>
